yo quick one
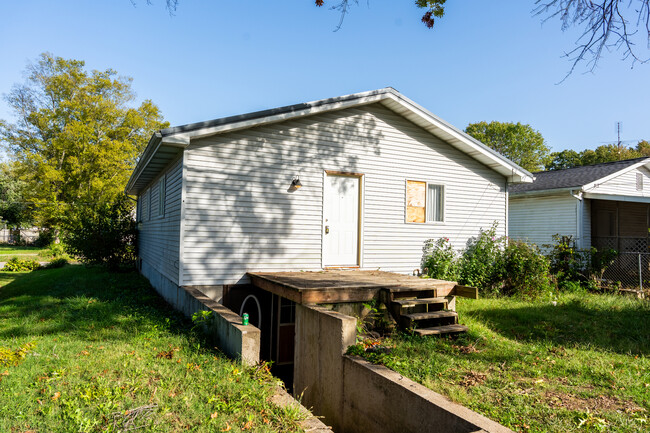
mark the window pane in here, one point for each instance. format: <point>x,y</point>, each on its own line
<point>415,201</point>
<point>435,203</point>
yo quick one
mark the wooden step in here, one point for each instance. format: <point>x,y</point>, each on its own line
<point>419,301</point>
<point>414,317</point>
<point>442,330</point>
<point>429,319</point>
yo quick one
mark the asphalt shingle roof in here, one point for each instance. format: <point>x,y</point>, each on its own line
<point>572,177</point>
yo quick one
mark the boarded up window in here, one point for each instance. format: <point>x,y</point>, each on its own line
<point>416,199</point>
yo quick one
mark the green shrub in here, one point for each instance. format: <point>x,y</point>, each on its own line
<point>524,271</point>
<point>479,265</point>
<point>515,269</point>
<point>439,260</point>
<point>21,265</point>
<point>45,238</point>
<point>57,263</point>
<point>103,234</point>
<point>571,265</point>
<point>57,251</point>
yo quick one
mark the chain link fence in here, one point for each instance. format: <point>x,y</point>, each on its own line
<point>630,271</point>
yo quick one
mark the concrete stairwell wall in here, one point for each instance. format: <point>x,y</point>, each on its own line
<point>354,396</point>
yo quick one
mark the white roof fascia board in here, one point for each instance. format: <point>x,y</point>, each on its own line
<point>597,182</point>
<point>613,197</point>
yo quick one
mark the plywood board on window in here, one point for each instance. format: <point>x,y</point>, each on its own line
<point>415,201</point>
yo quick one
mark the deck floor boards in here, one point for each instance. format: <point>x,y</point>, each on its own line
<point>331,286</point>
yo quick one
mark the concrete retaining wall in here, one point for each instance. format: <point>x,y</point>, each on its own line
<point>234,339</point>
<point>322,337</point>
<point>354,396</point>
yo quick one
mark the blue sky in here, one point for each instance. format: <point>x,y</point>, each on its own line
<point>482,61</point>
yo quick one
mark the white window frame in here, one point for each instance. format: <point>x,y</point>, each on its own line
<point>426,201</point>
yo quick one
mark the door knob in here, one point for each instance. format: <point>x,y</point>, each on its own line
<point>327,229</point>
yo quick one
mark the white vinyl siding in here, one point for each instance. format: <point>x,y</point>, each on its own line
<point>241,215</point>
<point>626,184</point>
<point>159,236</point>
<point>537,219</point>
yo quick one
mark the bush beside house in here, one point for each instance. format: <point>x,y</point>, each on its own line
<point>499,266</point>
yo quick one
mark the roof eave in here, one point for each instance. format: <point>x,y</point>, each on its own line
<point>181,136</point>
<point>592,185</point>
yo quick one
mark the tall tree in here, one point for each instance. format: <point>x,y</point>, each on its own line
<point>77,136</point>
<point>518,142</point>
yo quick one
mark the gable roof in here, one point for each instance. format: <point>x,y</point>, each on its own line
<point>584,177</point>
<point>165,145</point>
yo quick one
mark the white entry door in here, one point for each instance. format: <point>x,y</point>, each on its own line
<point>341,221</point>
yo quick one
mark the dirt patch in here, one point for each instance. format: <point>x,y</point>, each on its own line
<point>473,378</point>
<point>602,403</point>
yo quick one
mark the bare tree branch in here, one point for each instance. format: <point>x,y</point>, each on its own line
<point>606,27</point>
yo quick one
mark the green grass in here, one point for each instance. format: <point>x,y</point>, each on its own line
<point>106,344</point>
<point>582,365</point>
<point>9,251</point>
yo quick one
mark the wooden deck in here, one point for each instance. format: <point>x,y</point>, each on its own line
<point>333,286</point>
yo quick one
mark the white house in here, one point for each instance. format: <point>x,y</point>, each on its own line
<point>357,181</point>
<point>603,205</point>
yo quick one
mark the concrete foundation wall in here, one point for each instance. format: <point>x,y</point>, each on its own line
<point>225,327</point>
<point>354,396</point>
<point>380,400</point>
<point>322,337</point>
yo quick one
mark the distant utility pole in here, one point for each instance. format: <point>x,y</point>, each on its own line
<point>619,144</point>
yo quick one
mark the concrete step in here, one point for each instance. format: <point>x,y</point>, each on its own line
<point>442,330</point>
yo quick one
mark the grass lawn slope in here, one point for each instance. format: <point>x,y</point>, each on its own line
<point>82,350</point>
<point>9,251</point>
<point>581,365</point>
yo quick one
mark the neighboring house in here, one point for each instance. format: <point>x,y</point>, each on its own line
<point>603,205</point>
<point>355,181</point>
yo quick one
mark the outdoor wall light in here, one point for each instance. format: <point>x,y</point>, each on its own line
<point>295,183</point>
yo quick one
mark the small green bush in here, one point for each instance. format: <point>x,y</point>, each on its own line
<point>524,271</point>
<point>21,265</point>
<point>439,260</point>
<point>479,266</point>
<point>57,263</point>
<point>103,234</point>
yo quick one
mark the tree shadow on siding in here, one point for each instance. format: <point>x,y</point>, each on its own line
<point>241,212</point>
